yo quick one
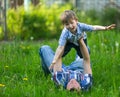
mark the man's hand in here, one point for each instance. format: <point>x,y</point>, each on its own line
<point>86,82</point>
<point>112,26</point>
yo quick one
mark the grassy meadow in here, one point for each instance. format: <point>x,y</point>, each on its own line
<point>21,74</point>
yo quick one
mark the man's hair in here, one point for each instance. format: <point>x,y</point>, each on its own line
<point>67,15</point>
<point>72,90</point>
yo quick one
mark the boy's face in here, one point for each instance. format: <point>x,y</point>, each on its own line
<point>71,25</point>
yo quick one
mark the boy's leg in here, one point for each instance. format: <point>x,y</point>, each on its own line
<point>78,49</point>
<point>79,55</point>
<point>68,47</point>
<point>46,55</point>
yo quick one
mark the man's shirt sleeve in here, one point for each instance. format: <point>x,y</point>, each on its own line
<point>58,78</point>
<point>61,78</point>
<point>86,82</point>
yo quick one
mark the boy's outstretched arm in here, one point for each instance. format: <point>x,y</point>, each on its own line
<point>56,64</point>
<point>98,27</point>
<point>86,57</point>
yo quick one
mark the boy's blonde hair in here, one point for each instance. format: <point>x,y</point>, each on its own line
<point>67,15</point>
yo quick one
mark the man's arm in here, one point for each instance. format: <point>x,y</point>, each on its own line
<point>97,27</point>
<point>86,57</point>
<point>56,64</point>
<point>86,82</point>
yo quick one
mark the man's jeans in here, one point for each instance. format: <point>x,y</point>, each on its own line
<point>47,55</point>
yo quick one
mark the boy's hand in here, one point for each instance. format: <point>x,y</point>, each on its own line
<point>56,65</point>
<point>52,65</point>
<point>112,26</point>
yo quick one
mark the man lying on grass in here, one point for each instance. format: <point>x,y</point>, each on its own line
<point>71,77</point>
<point>77,75</point>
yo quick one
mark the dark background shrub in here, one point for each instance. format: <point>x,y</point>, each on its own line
<point>42,22</point>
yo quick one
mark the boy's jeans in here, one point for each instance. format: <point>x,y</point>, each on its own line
<point>47,55</point>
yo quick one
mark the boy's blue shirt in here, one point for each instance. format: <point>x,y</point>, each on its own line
<point>66,35</point>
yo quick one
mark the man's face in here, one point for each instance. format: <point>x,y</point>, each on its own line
<point>71,25</point>
<point>73,85</point>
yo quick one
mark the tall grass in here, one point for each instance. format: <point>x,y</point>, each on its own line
<point>21,74</point>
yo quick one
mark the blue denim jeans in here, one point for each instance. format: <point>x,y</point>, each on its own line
<point>47,55</point>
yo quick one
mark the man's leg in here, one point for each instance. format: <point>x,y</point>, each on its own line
<point>46,55</point>
<point>76,65</point>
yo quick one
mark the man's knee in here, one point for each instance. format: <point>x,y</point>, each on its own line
<point>43,49</point>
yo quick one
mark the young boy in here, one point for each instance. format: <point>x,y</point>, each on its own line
<point>73,36</point>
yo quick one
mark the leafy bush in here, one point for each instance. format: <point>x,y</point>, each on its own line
<point>40,22</point>
<point>1,32</point>
<point>43,22</point>
<point>107,16</point>
<point>110,15</point>
<point>14,22</point>
<point>89,16</point>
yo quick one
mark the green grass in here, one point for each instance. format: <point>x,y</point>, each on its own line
<point>21,74</point>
